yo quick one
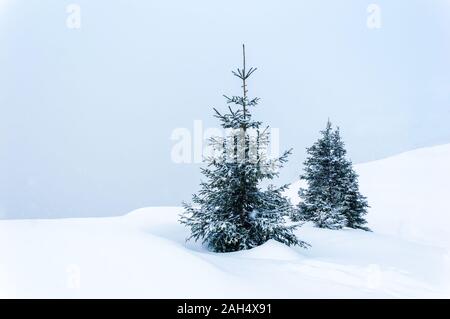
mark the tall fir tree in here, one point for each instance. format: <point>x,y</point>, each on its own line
<point>231,212</point>
<point>332,199</point>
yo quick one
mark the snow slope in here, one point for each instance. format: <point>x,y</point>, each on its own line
<point>144,253</point>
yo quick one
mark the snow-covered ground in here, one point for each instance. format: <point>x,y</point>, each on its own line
<point>144,253</point>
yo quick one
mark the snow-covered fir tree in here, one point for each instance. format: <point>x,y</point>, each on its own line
<point>321,199</point>
<point>332,198</point>
<point>354,204</point>
<point>231,211</point>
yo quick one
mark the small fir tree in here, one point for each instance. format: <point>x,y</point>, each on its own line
<point>320,199</point>
<point>332,199</point>
<point>354,205</point>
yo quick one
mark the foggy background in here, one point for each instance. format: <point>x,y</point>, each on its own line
<point>86,114</point>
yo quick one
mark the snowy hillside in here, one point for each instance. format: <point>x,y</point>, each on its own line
<point>407,194</point>
<point>144,254</point>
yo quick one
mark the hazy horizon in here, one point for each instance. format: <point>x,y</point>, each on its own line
<point>87,113</point>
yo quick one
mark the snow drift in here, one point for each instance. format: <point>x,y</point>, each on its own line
<point>144,253</point>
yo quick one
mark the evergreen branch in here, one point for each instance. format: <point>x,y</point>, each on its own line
<point>250,72</point>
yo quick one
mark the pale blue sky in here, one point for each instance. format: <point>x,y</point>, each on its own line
<point>86,115</point>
